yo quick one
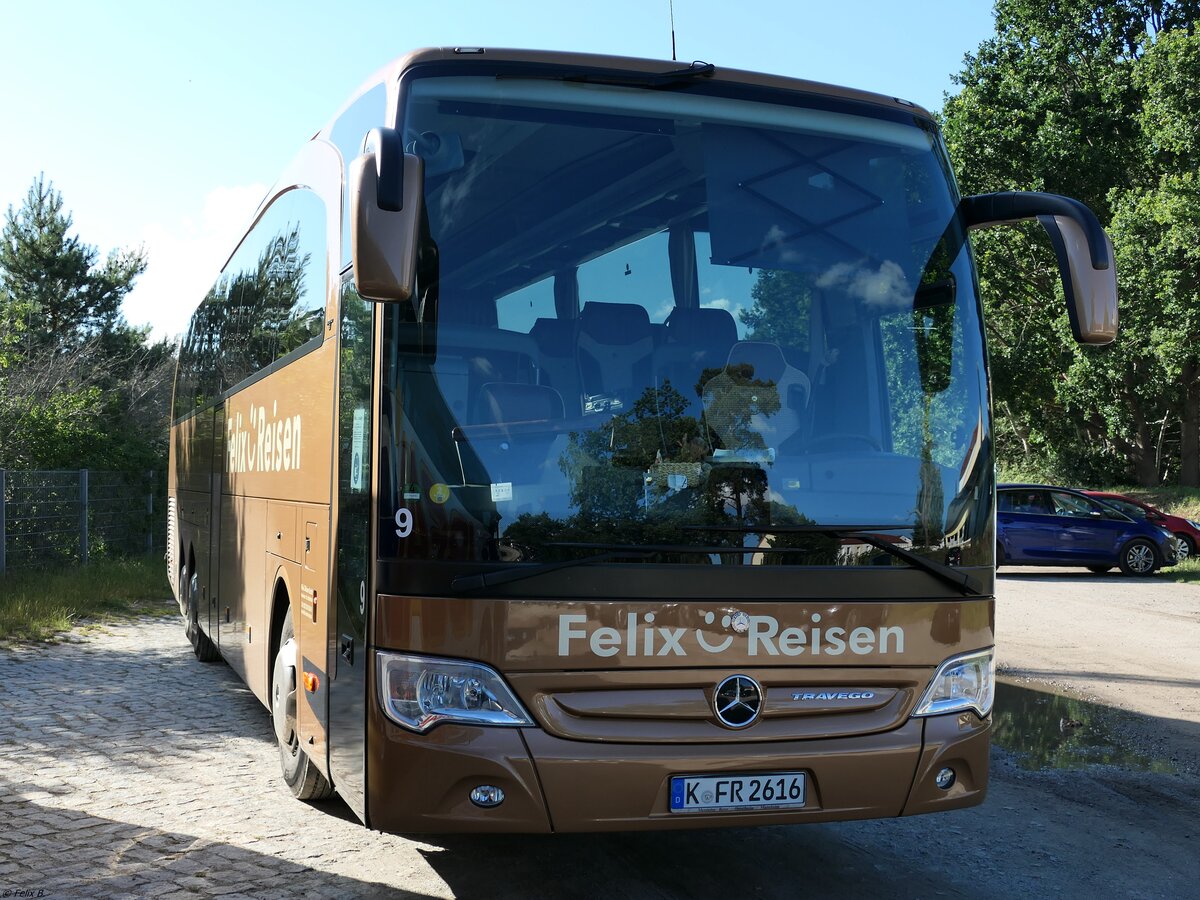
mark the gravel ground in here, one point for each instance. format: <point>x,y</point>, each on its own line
<point>128,769</point>
<point>1128,643</point>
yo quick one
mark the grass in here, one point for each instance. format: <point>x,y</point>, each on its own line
<point>38,604</point>
<point>1186,572</point>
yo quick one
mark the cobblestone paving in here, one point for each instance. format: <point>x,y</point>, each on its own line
<point>130,769</point>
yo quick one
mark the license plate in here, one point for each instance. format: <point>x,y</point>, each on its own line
<point>708,793</point>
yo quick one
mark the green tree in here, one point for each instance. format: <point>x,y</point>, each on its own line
<point>54,291</point>
<point>1158,234</point>
<point>79,387</point>
<point>1052,102</point>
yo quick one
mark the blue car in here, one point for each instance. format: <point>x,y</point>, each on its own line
<point>1040,525</point>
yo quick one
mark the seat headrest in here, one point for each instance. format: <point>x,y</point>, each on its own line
<point>502,401</point>
<point>766,359</point>
<point>555,334</point>
<point>614,323</point>
<point>701,327</point>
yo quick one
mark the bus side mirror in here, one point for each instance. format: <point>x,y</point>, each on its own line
<point>1085,254</point>
<point>385,186</point>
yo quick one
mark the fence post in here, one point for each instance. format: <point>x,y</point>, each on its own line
<point>150,515</point>
<point>2,536</point>
<point>83,517</point>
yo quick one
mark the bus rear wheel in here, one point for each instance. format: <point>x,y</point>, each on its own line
<point>303,777</point>
<point>202,646</point>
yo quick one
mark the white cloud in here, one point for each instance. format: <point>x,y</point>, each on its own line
<point>887,287</point>
<point>720,303</point>
<point>185,257</point>
<point>660,314</point>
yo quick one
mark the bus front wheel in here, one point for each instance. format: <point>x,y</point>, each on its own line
<point>301,774</point>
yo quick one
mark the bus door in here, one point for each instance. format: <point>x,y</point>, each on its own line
<point>209,613</point>
<point>312,631</point>
<point>348,670</point>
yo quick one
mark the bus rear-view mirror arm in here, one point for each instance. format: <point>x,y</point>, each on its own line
<point>1084,252</point>
<point>385,185</point>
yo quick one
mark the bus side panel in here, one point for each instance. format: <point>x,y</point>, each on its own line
<point>192,448</point>
<point>210,614</point>
<point>245,575</point>
<point>279,441</point>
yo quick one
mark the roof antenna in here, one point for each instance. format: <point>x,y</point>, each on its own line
<point>671,4</point>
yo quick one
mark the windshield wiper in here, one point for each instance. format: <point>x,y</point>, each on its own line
<point>955,578</point>
<point>466,583</point>
<point>670,78</point>
<point>946,574</point>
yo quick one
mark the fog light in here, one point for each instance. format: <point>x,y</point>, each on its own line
<point>945,779</point>
<point>487,796</point>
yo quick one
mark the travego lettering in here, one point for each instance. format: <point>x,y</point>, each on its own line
<point>258,442</point>
<point>833,695</point>
<point>641,637</point>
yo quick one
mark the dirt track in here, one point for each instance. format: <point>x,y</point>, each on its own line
<point>1130,643</point>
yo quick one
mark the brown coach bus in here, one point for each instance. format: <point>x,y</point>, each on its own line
<point>580,443</point>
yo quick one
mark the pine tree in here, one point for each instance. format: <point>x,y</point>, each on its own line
<point>54,294</point>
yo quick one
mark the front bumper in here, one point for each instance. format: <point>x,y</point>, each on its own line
<point>421,783</point>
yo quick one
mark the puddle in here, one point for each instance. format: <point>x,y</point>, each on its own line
<point>1049,731</point>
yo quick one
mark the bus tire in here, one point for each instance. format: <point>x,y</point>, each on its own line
<point>202,646</point>
<point>1139,557</point>
<point>300,773</point>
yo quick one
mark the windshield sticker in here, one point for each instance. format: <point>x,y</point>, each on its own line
<point>751,635</point>
<point>358,449</point>
<point>502,491</point>
<point>439,493</point>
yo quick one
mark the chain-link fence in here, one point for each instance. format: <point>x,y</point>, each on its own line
<point>69,517</point>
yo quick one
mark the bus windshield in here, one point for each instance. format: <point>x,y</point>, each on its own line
<point>683,322</point>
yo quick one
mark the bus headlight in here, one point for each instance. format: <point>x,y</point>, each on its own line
<point>961,683</point>
<point>419,692</point>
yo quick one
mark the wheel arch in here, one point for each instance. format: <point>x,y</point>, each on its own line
<point>280,604</point>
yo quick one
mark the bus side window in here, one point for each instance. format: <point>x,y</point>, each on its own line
<point>272,293</point>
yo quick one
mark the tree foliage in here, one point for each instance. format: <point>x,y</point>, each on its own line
<point>1095,100</point>
<point>79,387</point>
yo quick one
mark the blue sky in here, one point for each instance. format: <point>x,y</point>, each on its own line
<point>163,123</point>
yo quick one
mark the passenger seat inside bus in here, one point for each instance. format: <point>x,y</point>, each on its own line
<point>506,434</point>
<point>501,402</point>
<point>759,361</point>
<point>697,339</point>
<point>470,356</point>
<point>616,349</point>
<point>558,359</point>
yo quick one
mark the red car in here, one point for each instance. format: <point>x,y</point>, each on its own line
<point>1186,530</point>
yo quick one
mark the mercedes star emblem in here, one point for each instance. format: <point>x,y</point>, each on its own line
<point>737,701</point>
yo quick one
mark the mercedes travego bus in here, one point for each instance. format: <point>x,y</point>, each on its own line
<point>578,443</point>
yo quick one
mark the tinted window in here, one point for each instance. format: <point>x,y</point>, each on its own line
<point>1071,504</point>
<point>1130,509</point>
<point>268,302</point>
<point>1024,501</point>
